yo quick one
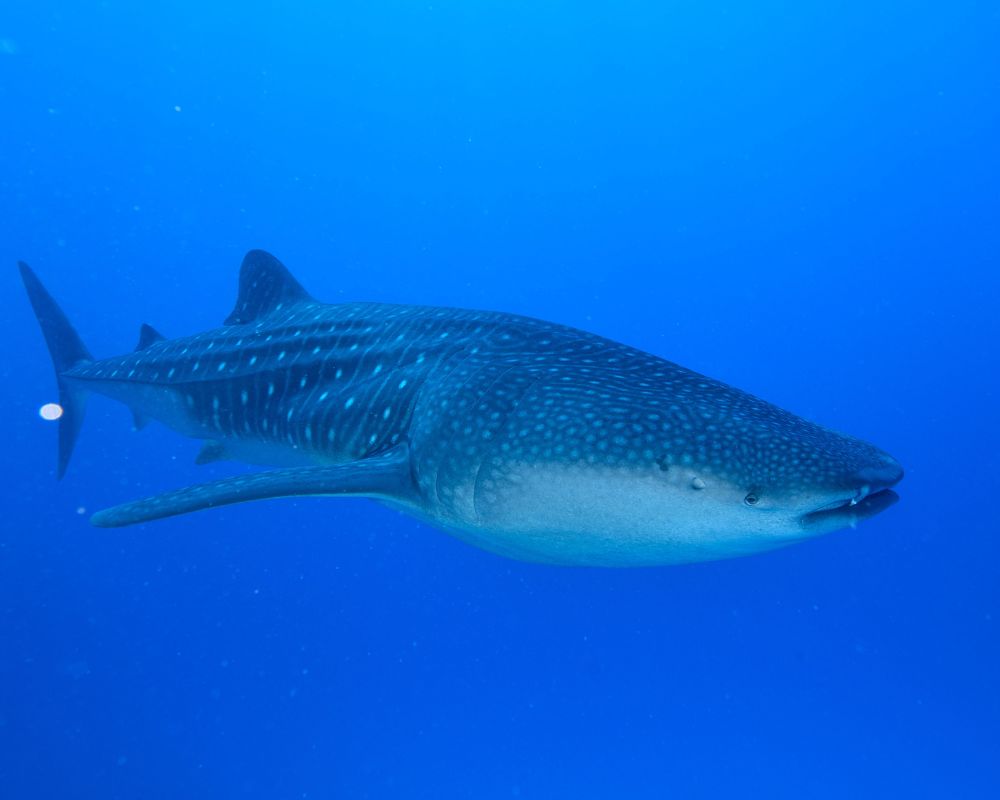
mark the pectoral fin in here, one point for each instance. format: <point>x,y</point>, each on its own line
<point>386,475</point>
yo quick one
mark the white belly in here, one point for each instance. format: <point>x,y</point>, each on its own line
<point>581,515</point>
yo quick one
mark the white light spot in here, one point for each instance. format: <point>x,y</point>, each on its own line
<point>349,403</point>
<point>270,389</point>
<point>340,373</point>
<point>323,396</point>
<point>222,366</point>
<point>377,370</point>
<point>253,360</point>
<point>303,382</point>
<point>402,384</point>
<point>50,412</point>
<point>281,355</point>
<point>386,413</point>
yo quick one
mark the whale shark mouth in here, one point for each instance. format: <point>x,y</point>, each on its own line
<point>849,512</point>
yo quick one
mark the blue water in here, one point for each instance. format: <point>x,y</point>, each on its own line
<point>801,200</point>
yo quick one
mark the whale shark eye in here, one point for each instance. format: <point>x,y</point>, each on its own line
<point>752,499</point>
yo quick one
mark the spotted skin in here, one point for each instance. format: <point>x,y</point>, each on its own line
<point>525,437</point>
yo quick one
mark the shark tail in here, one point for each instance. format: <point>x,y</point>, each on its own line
<point>67,350</point>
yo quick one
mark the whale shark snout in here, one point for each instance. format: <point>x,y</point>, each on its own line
<point>870,493</point>
<point>883,475</point>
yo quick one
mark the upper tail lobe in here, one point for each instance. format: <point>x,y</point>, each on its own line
<point>67,350</point>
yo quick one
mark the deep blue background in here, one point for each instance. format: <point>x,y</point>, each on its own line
<point>801,201</point>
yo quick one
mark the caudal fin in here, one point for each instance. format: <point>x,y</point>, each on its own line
<point>67,350</point>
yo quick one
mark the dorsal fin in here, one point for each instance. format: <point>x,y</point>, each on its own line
<point>148,335</point>
<point>265,285</point>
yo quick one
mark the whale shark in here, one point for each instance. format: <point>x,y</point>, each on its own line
<point>527,438</point>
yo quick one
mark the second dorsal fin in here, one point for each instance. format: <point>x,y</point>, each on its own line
<point>266,285</point>
<point>148,335</point>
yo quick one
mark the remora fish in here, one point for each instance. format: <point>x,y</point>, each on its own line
<point>527,438</point>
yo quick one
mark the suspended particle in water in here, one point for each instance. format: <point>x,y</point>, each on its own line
<point>50,412</point>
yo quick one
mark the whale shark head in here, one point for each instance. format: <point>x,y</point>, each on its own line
<point>792,489</point>
<point>768,478</point>
<point>676,508</point>
<point>713,473</point>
